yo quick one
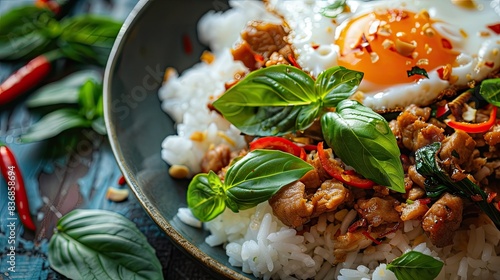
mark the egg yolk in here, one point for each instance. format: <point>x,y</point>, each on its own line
<point>385,44</point>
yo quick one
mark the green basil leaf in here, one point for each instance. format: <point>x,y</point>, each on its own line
<point>88,98</point>
<point>281,99</point>
<point>334,9</point>
<point>337,84</point>
<point>64,91</point>
<point>490,90</point>
<point>88,38</point>
<point>26,32</point>
<point>100,244</point>
<point>54,123</point>
<point>260,174</point>
<point>427,164</point>
<point>269,101</point>
<point>415,70</point>
<point>415,265</point>
<point>99,126</point>
<point>205,196</point>
<point>363,140</point>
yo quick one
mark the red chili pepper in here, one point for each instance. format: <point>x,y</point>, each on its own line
<point>187,44</point>
<point>292,60</point>
<point>27,77</point>
<point>59,7</point>
<point>278,143</point>
<point>121,181</point>
<point>12,174</point>
<point>495,28</point>
<point>369,236</point>
<point>443,111</point>
<point>348,177</point>
<point>476,127</point>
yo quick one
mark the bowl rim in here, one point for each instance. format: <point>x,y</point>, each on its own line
<point>151,210</point>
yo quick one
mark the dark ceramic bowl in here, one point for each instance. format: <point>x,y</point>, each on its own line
<point>153,38</point>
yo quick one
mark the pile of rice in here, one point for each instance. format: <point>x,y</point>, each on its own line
<point>255,239</point>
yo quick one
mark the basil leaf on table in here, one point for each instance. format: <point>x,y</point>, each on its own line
<point>364,140</point>
<point>252,179</point>
<point>415,265</point>
<point>88,38</point>
<point>26,32</point>
<point>281,99</point>
<point>64,91</point>
<point>490,90</point>
<point>54,123</point>
<point>427,164</point>
<point>100,244</point>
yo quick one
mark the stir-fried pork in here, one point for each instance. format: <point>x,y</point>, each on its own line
<point>459,146</point>
<point>378,210</point>
<point>412,130</point>
<point>294,207</point>
<point>215,159</point>
<point>443,219</point>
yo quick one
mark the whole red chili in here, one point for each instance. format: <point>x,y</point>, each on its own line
<point>12,174</point>
<point>27,77</point>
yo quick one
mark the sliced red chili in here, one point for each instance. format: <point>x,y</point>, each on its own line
<point>476,127</point>
<point>356,225</point>
<point>187,44</point>
<point>121,181</point>
<point>292,60</point>
<point>495,28</point>
<point>446,44</point>
<point>491,196</point>
<point>443,111</point>
<point>278,143</point>
<point>349,177</point>
<point>12,174</point>
<point>369,236</point>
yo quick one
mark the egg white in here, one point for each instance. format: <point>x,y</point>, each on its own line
<point>478,52</point>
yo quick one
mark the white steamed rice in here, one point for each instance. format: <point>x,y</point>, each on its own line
<point>254,239</point>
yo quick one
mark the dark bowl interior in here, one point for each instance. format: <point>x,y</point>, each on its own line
<point>156,35</point>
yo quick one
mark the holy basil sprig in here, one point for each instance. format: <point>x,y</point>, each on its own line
<point>364,140</point>
<point>282,99</point>
<point>253,179</point>
<point>81,106</point>
<point>438,181</point>
<point>415,265</point>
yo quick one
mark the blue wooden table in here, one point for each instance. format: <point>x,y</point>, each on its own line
<point>63,175</point>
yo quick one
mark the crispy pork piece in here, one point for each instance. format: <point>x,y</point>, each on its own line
<point>459,146</point>
<point>416,133</point>
<point>294,206</point>
<point>291,206</point>
<point>329,196</point>
<point>215,159</point>
<point>413,211</point>
<point>492,137</point>
<point>378,210</point>
<point>265,38</point>
<point>443,219</point>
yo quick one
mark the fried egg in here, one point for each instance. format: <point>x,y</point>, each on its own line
<point>453,41</point>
